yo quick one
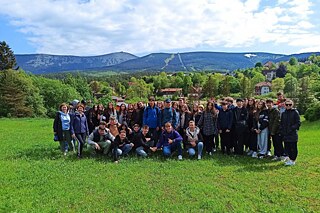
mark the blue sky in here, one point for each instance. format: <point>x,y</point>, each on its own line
<point>84,27</point>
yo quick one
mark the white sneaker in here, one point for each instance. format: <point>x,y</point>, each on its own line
<point>276,158</point>
<point>261,156</point>
<point>269,154</point>
<point>289,163</point>
<point>179,157</point>
<point>284,158</point>
<point>250,153</point>
<point>210,153</point>
<point>65,153</point>
<point>247,150</point>
<point>254,155</point>
<point>199,157</point>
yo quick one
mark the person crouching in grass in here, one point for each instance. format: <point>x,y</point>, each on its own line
<point>143,142</point>
<point>170,140</point>
<point>122,146</point>
<point>194,140</point>
<point>100,139</point>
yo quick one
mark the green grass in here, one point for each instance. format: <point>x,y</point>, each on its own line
<point>36,178</point>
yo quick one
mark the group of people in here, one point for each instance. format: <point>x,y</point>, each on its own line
<point>241,127</point>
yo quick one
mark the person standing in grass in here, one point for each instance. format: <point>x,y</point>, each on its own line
<point>289,126</point>
<point>260,126</point>
<point>170,140</point>
<point>194,140</point>
<point>100,139</point>
<point>122,114</point>
<point>252,135</point>
<point>79,128</point>
<point>168,114</point>
<point>225,119</point>
<point>240,126</point>
<point>274,134</point>
<point>152,118</point>
<point>61,128</point>
<point>208,124</point>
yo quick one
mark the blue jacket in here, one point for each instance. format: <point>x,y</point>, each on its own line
<point>79,124</point>
<point>168,115</point>
<point>225,119</point>
<point>173,135</point>
<point>151,117</point>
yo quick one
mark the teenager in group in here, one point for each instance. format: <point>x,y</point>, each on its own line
<point>185,117</point>
<point>143,142</point>
<point>130,120</point>
<point>240,126</point>
<point>208,124</point>
<point>170,140</point>
<point>152,118</point>
<point>194,140</point>
<point>122,146</point>
<point>289,126</point>
<point>100,139</point>
<point>260,125</point>
<point>79,128</point>
<point>225,121</point>
<point>252,135</point>
<point>160,105</point>
<point>61,129</point>
<point>113,125</point>
<point>274,134</point>
<point>109,111</point>
<point>177,111</point>
<point>122,114</point>
<point>168,114</point>
<point>196,113</point>
<point>138,113</point>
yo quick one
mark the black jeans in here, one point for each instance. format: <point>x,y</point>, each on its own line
<point>252,139</point>
<point>291,150</point>
<point>226,142</point>
<point>277,145</point>
<point>81,141</point>
<point>208,141</point>
<point>239,141</point>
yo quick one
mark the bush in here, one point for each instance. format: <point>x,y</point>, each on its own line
<point>313,112</point>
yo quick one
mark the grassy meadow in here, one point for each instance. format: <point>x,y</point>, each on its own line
<point>35,177</point>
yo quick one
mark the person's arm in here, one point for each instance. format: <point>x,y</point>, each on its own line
<point>200,137</point>
<point>230,120</point>
<point>72,118</point>
<point>296,122</point>
<point>177,136</point>
<point>55,123</point>
<point>90,139</point>
<point>145,116</point>
<point>264,122</point>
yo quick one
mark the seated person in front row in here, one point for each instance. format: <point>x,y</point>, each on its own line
<point>100,139</point>
<point>113,125</point>
<point>194,140</point>
<point>143,142</point>
<point>170,140</point>
<point>122,145</point>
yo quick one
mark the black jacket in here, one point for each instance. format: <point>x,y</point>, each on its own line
<point>57,126</point>
<point>289,125</point>
<point>263,120</point>
<point>240,119</point>
<point>225,119</point>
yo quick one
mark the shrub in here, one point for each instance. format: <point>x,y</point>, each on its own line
<point>313,112</point>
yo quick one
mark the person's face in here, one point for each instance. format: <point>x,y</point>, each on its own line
<point>250,102</point>
<point>167,104</point>
<point>80,109</point>
<point>168,128</point>
<point>64,108</point>
<point>224,106</point>
<point>123,107</point>
<point>260,105</point>
<point>140,104</point>
<point>112,121</point>
<point>239,104</point>
<point>195,107</point>
<point>145,131</point>
<point>136,128</point>
<point>184,108</point>
<point>192,125</point>
<point>269,105</point>
<point>110,106</point>
<point>151,102</point>
<point>95,108</point>
<point>288,104</point>
<point>122,135</point>
<point>210,107</point>
<point>101,129</point>
<point>180,101</point>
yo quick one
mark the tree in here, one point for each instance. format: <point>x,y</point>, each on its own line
<point>304,94</point>
<point>7,58</point>
<point>290,86</point>
<point>211,86</point>
<point>277,85</point>
<point>80,84</point>
<point>293,61</point>
<point>187,84</point>
<point>258,64</point>
<point>281,71</point>
<point>226,86</point>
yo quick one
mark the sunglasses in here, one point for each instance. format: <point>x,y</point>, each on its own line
<point>288,104</point>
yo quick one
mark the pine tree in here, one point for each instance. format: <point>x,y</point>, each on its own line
<point>7,58</point>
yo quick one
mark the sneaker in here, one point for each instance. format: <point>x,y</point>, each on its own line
<point>275,158</point>
<point>261,156</point>
<point>65,153</point>
<point>179,157</point>
<point>284,158</point>
<point>210,153</point>
<point>250,153</point>
<point>199,157</point>
<point>289,163</point>
<point>269,154</point>
<point>247,150</point>
<point>254,155</point>
<point>214,150</point>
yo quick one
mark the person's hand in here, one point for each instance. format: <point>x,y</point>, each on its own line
<point>227,130</point>
<point>170,141</point>
<point>258,131</point>
<point>73,136</point>
<point>193,143</point>
<point>131,144</point>
<point>148,139</point>
<point>153,149</point>
<point>96,146</point>
<point>220,131</point>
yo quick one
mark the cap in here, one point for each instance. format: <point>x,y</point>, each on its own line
<point>168,100</point>
<point>239,100</point>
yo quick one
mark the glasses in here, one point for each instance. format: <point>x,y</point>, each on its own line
<point>101,128</point>
<point>288,104</point>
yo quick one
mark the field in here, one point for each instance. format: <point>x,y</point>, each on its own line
<point>35,177</point>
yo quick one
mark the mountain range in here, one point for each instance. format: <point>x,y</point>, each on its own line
<point>126,62</point>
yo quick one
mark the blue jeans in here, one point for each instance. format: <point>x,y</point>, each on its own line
<point>140,151</point>
<point>262,139</point>
<point>192,150</point>
<point>167,150</point>
<point>126,149</point>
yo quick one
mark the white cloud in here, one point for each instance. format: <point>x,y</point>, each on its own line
<point>98,26</point>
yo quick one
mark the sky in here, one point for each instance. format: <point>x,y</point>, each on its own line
<point>141,27</point>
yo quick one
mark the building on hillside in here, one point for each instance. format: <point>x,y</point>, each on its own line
<point>269,65</point>
<point>170,92</point>
<point>269,74</point>
<point>262,88</point>
<point>195,93</point>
